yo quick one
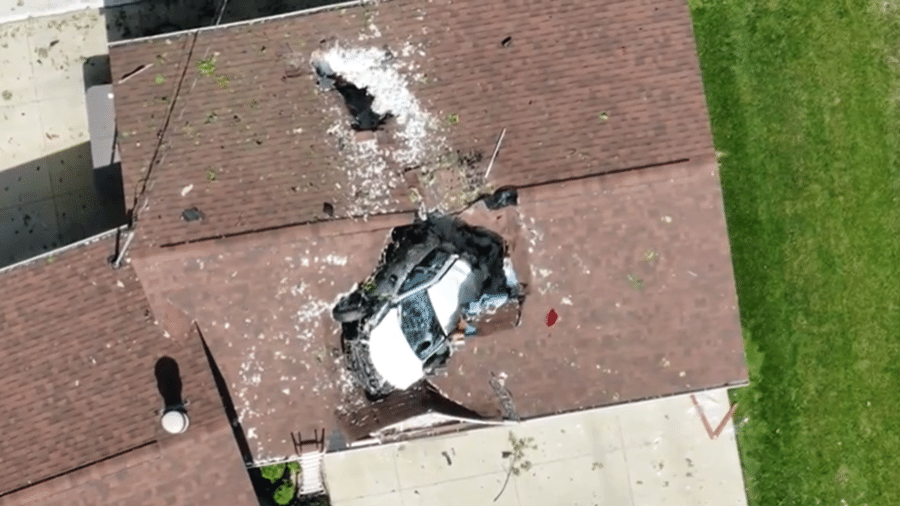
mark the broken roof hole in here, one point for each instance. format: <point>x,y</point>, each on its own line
<point>192,214</point>
<point>328,209</point>
<point>358,100</point>
<point>438,280</point>
<point>506,42</point>
<point>359,103</point>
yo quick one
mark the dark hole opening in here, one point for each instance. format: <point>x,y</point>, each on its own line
<point>359,104</point>
<point>358,100</point>
<point>506,42</point>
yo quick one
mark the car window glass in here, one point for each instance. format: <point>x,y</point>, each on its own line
<point>419,323</point>
<point>425,271</point>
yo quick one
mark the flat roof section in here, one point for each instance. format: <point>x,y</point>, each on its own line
<point>641,454</point>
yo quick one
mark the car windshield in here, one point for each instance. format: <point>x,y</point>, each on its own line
<point>419,324</point>
<point>425,271</point>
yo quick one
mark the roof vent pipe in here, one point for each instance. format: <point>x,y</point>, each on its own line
<point>175,421</point>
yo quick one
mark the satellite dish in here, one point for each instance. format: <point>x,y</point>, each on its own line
<point>175,422</point>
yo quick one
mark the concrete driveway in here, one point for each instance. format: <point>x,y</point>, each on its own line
<point>642,454</point>
<point>50,194</point>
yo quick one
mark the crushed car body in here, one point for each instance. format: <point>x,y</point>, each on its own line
<point>436,278</point>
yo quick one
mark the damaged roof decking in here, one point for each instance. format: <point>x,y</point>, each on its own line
<point>582,88</point>
<point>264,304</point>
<point>77,367</point>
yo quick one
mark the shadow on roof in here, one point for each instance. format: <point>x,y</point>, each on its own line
<point>130,19</point>
<point>168,380</point>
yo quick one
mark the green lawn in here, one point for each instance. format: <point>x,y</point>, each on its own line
<point>800,97</point>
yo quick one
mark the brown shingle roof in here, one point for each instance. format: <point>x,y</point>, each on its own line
<point>77,360</point>
<point>581,89</point>
<point>636,265</point>
<point>263,302</point>
<point>637,268</point>
<point>173,472</point>
<point>567,64</point>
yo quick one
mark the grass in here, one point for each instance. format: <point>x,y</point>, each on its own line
<point>207,66</point>
<point>800,97</point>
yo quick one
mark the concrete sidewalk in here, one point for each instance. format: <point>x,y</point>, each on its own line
<point>50,194</point>
<point>643,454</point>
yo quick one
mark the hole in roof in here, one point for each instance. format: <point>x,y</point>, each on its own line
<point>506,42</point>
<point>357,100</point>
<point>192,214</point>
<point>435,278</point>
<point>328,209</point>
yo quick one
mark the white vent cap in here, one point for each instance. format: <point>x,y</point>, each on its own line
<point>175,422</point>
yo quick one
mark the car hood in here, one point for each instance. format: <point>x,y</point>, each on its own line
<point>453,289</point>
<point>391,354</point>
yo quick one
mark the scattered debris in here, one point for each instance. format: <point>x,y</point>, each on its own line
<point>187,189</point>
<point>636,282</point>
<point>603,116</point>
<point>516,456</point>
<point>501,198</point>
<point>494,156</point>
<point>293,61</point>
<point>134,72</point>
<point>192,214</point>
<point>377,73</point>
<point>508,411</point>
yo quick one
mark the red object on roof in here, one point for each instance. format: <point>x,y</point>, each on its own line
<point>552,317</point>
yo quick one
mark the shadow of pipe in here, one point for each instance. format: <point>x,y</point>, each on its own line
<point>168,381</point>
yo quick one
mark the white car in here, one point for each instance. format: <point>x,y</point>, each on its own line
<point>397,325</point>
